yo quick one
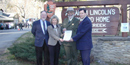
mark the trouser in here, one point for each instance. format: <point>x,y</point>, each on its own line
<point>39,51</point>
<point>71,54</point>
<point>21,28</point>
<point>54,54</point>
<point>85,55</point>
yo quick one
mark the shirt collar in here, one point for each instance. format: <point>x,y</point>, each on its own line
<point>70,19</point>
<point>53,26</point>
<point>83,18</point>
<point>42,20</point>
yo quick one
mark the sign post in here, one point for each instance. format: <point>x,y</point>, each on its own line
<point>124,18</point>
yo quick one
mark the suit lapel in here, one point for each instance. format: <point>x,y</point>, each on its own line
<point>83,20</point>
<point>80,25</point>
<point>58,30</point>
<point>39,26</point>
<point>57,33</point>
<point>69,24</point>
<point>47,23</point>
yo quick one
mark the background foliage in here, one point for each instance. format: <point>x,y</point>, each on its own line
<point>24,49</point>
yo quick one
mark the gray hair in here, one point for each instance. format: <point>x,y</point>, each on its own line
<point>43,11</point>
<point>54,16</point>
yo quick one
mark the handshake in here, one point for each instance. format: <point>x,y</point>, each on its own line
<point>71,40</point>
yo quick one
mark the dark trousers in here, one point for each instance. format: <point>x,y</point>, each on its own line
<point>71,54</point>
<point>39,51</point>
<point>85,55</point>
<point>21,28</point>
<point>54,54</point>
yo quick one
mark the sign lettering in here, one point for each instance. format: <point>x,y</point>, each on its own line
<point>104,20</point>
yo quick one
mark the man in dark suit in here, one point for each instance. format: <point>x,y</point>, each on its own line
<point>39,30</point>
<point>83,37</point>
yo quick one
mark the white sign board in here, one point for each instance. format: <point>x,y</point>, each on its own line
<point>124,27</point>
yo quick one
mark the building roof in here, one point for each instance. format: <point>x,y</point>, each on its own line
<point>6,17</point>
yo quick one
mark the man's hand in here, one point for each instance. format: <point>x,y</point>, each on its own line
<point>64,29</point>
<point>71,40</point>
<point>61,40</point>
<point>62,35</point>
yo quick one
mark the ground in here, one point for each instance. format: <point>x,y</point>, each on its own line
<point>8,37</point>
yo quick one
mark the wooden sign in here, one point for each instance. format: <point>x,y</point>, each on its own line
<point>104,20</point>
<point>50,9</point>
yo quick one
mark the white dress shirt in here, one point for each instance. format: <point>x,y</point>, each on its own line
<point>70,18</point>
<point>41,22</point>
<point>55,28</point>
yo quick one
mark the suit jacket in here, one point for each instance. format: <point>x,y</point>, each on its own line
<point>54,36</point>
<point>72,25</point>
<point>83,36</point>
<point>38,33</point>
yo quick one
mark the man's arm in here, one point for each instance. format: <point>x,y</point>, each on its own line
<point>85,27</point>
<point>48,23</point>
<point>33,29</point>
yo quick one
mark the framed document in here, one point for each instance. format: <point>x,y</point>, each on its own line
<point>67,35</point>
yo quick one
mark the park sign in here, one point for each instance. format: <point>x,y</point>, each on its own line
<point>105,21</point>
<point>50,8</point>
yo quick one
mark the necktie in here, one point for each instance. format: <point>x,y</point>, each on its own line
<point>44,28</point>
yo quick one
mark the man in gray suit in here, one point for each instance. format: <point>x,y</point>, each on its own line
<point>39,30</point>
<point>70,23</point>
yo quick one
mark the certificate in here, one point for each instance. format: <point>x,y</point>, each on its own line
<point>67,35</point>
